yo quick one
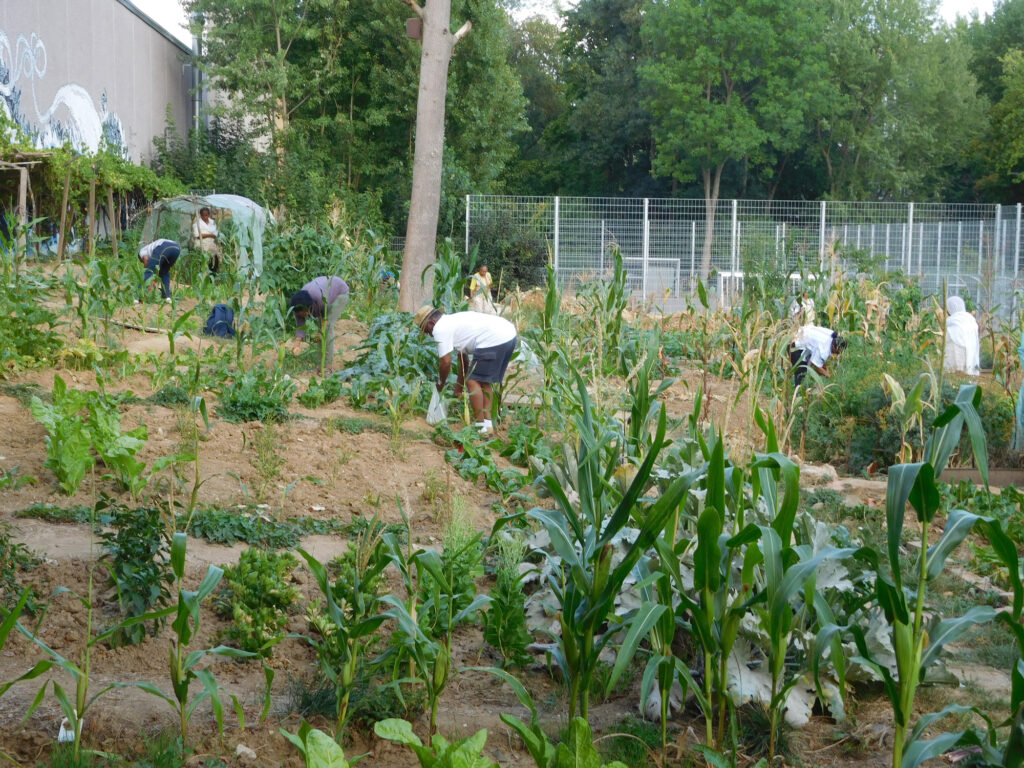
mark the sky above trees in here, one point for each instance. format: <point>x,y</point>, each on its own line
<point>171,16</point>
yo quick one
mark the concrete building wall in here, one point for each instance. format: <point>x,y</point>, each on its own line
<point>84,70</point>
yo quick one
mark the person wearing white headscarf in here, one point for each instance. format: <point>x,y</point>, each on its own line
<point>963,345</point>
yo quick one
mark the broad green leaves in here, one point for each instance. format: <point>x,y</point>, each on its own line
<point>72,436</point>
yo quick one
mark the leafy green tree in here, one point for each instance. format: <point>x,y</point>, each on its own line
<point>270,57</point>
<point>536,56</point>
<point>906,108</point>
<point>333,85</point>
<point>605,134</point>
<point>731,80</point>
<point>1007,173</point>
<point>990,39</point>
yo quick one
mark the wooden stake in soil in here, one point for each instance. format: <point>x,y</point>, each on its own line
<point>61,239</point>
<point>113,224</point>
<point>92,216</point>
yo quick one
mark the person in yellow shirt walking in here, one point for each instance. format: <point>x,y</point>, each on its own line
<point>480,292</point>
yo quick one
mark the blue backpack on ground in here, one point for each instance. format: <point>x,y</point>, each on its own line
<point>221,322</point>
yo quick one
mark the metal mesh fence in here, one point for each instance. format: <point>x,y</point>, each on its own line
<point>667,244</point>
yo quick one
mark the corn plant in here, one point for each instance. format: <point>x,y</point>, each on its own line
<point>449,278</point>
<point>583,581</point>
<point>429,646</point>
<point>537,743</point>
<point>908,408</point>
<point>577,749</point>
<point>604,301</point>
<point>787,572</point>
<point>349,619</point>
<point>179,328</point>
<point>183,665</point>
<point>917,641</point>
<point>656,622</point>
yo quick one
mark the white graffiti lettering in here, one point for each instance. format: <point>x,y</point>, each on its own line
<point>72,115</point>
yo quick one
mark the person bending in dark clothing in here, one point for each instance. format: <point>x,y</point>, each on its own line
<point>159,256</point>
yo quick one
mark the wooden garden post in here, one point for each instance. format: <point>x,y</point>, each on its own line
<point>22,209</point>
<point>62,235</point>
<point>113,225</point>
<point>92,215</point>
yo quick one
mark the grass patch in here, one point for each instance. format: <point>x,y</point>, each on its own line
<point>169,396</point>
<point>24,393</point>
<point>51,513</point>
<point>229,527</point>
<point>990,644</point>
<point>634,742</point>
<point>354,425</point>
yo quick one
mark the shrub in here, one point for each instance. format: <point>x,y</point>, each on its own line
<point>851,423</point>
<point>138,559</point>
<point>258,598</point>
<point>513,251</point>
<point>256,395</point>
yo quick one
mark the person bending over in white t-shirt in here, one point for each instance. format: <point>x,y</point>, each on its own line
<point>813,346</point>
<point>485,344</point>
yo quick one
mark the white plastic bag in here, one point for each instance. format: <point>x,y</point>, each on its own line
<point>437,411</point>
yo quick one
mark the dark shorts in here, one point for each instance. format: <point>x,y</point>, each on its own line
<point>798,359</point>
<point>489,364</point>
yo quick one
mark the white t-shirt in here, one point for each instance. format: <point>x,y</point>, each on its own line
<point>147,250</point>
<point>200,228</point>
<point>817,340</point>
<point>469,331</point>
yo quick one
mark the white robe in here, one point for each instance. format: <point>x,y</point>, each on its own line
<point>963,344</point>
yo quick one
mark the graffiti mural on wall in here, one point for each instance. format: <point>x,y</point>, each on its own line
<point>72,115</point>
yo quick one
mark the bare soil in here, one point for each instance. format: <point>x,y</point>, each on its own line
<point>327,474</point>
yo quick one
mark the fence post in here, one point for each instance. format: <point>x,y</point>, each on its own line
<point>909,255</point>
<point>467,225</point>
<point>734,246</point>
<point>602,247</point>
<point>693,251</point>
<point>959,244</point>
<point>997,242</point>
<point>646,247</point>
<point>1016,245</point>
<point>921,249</point>
<point>555,250</point>
<point>821,237</point>
<point>981,241</point>
<point>887,256</point>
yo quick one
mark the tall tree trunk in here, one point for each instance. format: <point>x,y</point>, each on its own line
<point>712,183</point>
<point>428,156</point>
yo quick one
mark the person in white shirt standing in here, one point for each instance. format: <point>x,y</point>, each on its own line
<point>813,346</point>
<point>204,237</point>
<point>485,344</point>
